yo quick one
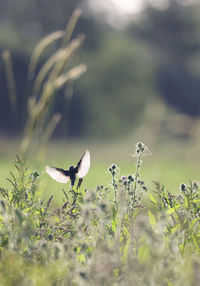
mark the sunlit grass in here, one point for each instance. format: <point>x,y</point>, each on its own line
<point>168,164</point>
<point>123,232</point>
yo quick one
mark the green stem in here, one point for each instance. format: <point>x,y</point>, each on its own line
<point>115,192</point>
<point>138,164</point>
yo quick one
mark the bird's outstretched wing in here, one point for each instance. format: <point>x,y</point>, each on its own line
<point>58,174</point>
<point>83,165</point>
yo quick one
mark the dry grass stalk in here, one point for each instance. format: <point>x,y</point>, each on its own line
<point>48,40</point>
<point>10,81</point>
<point>70,27</point>
<point>71,75</point>
<point>52,76</point>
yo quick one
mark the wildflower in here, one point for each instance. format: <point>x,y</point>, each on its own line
<point>114,167</point>
<point>183,187</point>
<point>103,206</point>
<point>131,178</point>
<point>196,185</point>
<point>141,149</point>
<point>123,178</point>
<point>144,188</point>
<point>125,182</point>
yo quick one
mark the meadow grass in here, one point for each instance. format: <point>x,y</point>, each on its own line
<point>122,232</point>
<point>135,219</point>
<point>168,164</point>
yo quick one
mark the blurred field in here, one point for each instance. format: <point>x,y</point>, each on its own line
<point>171,163</point>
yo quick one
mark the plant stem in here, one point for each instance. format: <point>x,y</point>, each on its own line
<point>137,175</point>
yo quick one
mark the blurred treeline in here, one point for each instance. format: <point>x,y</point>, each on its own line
<point>156,58</point>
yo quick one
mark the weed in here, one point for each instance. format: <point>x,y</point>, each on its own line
<point>110,236</point>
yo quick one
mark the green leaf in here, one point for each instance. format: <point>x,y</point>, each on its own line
<point>143,253</point>
<point>114,225</point>
<point>81,258</point>
<point>186,202</point>
<point>125,249</point>
<point>152,219</point>
<point>153,199</point>
<point>172,210</point>
<point>116,272</point>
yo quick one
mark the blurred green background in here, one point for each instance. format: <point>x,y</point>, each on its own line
<point>142,84</point>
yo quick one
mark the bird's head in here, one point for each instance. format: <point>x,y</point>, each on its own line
<point>71,169</point>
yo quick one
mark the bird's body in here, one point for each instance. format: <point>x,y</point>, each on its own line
<point>63,176</point>
<point>72,175</point>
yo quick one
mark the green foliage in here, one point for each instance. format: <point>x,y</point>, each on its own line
<point>20,33</point>
<point>122,84</point>
<point>111,236</point>
<point>176,55</point>
<point>157,55</point>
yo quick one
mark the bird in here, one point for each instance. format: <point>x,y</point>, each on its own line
<point>80,170</point>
